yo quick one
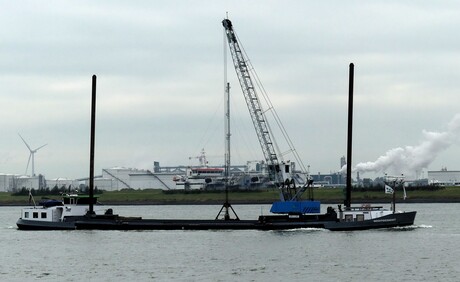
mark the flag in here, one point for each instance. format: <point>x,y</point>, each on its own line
<point>388,190</point>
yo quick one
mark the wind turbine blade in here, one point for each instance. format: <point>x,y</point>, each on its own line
<point>25,142</point>
<point>27,167</point>
<point>40,148</point>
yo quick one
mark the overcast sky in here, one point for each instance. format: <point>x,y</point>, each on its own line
<point>160,82</point>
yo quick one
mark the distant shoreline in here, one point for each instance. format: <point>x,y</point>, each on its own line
<point>267,197</point>
<point>239,202</point>
<point>263,202</point>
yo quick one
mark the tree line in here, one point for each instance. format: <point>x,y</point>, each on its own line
<point>54,191</point>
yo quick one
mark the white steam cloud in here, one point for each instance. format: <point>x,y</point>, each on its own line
<point>412,159</point>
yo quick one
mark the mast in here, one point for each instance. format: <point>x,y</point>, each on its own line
<point>350,133</point>
<point>227,132</point>
<point>227,117</point>
<point>393,203</point>
<point>226,206</point>
<point>91,154</point>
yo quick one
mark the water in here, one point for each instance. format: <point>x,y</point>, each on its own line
<point>428,251</point>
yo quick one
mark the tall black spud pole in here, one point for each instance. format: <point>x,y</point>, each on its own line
<point>350,134</point>
<point>91,150</point>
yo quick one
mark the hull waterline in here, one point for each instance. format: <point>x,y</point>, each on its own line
<point>271,222</point>
<point>388,221</point>
<point>40,225</point>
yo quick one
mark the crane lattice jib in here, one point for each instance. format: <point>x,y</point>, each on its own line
<point>253,103</point>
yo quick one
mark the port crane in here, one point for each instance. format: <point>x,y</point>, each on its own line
<point>279,170</point>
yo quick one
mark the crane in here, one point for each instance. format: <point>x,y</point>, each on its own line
<point>254,105</point>
<point>201,158</point>
<point>279,170</point>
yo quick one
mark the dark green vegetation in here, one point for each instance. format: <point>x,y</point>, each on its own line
<point>325,195</point>
<point>48,192</point>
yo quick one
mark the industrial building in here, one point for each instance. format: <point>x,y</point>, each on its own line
<point>168,178</point>
<point>7,182</point>
<point>11,182</point>
<point>118,178</point>
<point>328,180</point>
<point>247,176</point>
<point>444,177</point>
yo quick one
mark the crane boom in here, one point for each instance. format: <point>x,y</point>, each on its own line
<point>255,108</point>
<point>279,171</point>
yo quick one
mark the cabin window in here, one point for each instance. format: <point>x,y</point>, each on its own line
<point>43,214</point>
<point>26,214</point>
<point>348,217</point>
<point>71,201</point>
<point>35,214</point>
<point>360,217</point>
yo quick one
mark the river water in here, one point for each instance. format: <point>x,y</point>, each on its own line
<point>427,251</point>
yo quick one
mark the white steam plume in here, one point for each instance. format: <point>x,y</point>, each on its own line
<point>412,159</point>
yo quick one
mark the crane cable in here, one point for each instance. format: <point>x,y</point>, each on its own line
<point>275,115</point>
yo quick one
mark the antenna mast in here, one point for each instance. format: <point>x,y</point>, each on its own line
<point>91,150</point>
<point>350,135</point>
<point>226,205</point>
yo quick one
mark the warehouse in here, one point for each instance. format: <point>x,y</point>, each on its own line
<point>444,177</point>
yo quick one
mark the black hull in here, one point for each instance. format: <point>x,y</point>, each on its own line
<point>326,221</point>
<point>40,225</point>
<point>273,222</point>
<point>389,221</point>
<point>263,223</point>
<point>68,224</point>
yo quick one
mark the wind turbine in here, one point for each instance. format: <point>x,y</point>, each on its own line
<point>32,153</point>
